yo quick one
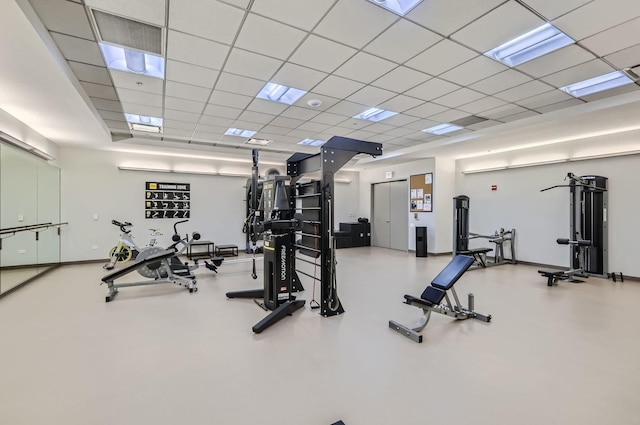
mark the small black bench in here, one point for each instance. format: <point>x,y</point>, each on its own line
<point>553,275</point>
<point>227,250</point>
<point>478,255</point>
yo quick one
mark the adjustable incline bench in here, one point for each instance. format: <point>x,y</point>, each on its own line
<point>156,267</point>
<point>432,297</point>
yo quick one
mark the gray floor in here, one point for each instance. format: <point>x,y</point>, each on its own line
<point>159,355</point>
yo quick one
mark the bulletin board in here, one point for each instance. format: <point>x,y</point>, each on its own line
<point>421,193</point>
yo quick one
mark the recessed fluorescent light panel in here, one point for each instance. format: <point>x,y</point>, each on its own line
<point>312,142</point>
<point>279,93</point>
<point>259,142</point>
<point>399,7</point>
<point>375,114</point>
<point>597,84</point>
<point>144,123</point>
<point>132,61</point>
<point>536,43</point>
<point>442,129</point>
<point>239,132</point>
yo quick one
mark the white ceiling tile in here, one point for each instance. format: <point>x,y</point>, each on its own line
<point>183,105</point>
<point>544,99</point>
<point>499,82</point>
<point>551,9</point>
<point>327,101</point>
<point>276,130</point>
<point>113,116</point>
<point>401,79</point>
<point>625,58</point>
<point>371,96</point>
<point>216,121</point>
<point>346,108</point>
<point>381,138</point>
<point>256,117</point>
<point>251,64</point>
<point>503,111</point>
<point>361,135</point>
<point>230,99</point>
<point>190,74</point>
<point>448,116</point>
<point>400,103</point>
<point>484,124</point>
<point>399,120</point>
<point>559,105</point>
<point>521,115</point>
<point>187,91</point>
<point>150,11</point>
<point>328,118</point>
<point>578,73</point>
<point>597,16</point>
<point>149,111</point>
<point>182,125</point>
<point>318,127</point>
<point>441,57</point>
<point>432,88</point>
<point>190,49</point>
<point>481,105</point>
<point>380,127</point>
<point>247,125</point>
<point>128,80</point>
<point>523,91</point>
<point>354,124</point>
<point>421,124</point>
<point>268,37</point>
<point>176,132</point>
<point>301,14</point>
<point>413,39</point>
<point>300,113</point>
<point>170,114</point>
<point>98,90</point>
<point>267,107</point>
<point>116,125</point>
<point>212,129</point>
<point>301,134</point>
<point>109,105</point>
<point>340,23</point>
<point>476,69</point>
<point>400,132</point>
<point>91,73</point>
<point>64,17</point>
<point>239,84</point>
<point>297,76</point>
<point>78,49</point>
<point>613,92</point>
<point>445,17</point>
<point>614,39</point>
<point>286,122</point>
<point>459,97</point>
<point>319,53</point>
<point>222,111</point>
<point>365,68</point>
<point>213,20</point>
<point>425,110</point>
<point>564,58</point>
<point>498,26</point>
<point>337,87</point>
<point>240,3</point>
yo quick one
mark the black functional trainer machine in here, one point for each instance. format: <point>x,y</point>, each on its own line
<point>432,300</point>
<point>461,237</point>
<point>279,223</point>
<point>588,230</point>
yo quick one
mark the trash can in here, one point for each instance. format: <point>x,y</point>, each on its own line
<point>421,241</point>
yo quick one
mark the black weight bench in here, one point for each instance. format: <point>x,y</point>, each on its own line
<point>479,255</point>
<point>157,263</point>
<point>226,250</point>
<point>553,276</point>
<point>432,298</point>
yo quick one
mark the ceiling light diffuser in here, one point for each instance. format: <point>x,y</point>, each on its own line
<point>536,43</point>
<point>279,93</point>
<point>239,132</point>
<point>442,129</point>
<point>597,84</point>
<point>312,142</point>
<point>399,7</point>
<point>259,142</point>
<point>132,61</point>
<point>144,120</point>
<point>375,114</point>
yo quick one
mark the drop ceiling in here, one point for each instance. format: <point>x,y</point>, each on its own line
<point>350,54</point>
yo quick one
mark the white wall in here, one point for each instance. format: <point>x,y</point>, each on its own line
<point>542,217</point>
<point>92,184</point>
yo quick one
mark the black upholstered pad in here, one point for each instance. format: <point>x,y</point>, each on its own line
<point>413,300</point>
<point>450,274</point>
<point>551,272</point>
<point>432,294</point>
<point>133,266</point>
<point>475,251</point>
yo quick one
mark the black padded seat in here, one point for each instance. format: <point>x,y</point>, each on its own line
<point>133,266</point>
<point>475,251</point>
<point>413,300</point>
<point>433,295</point>
<point>450,275</point>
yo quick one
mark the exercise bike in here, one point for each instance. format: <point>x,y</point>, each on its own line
<point>127,248</point>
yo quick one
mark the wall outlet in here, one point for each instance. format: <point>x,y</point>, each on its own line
<point>96,217</point>
<point>22,251</point>
<point>94,247</point>
<point>20,217</point>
